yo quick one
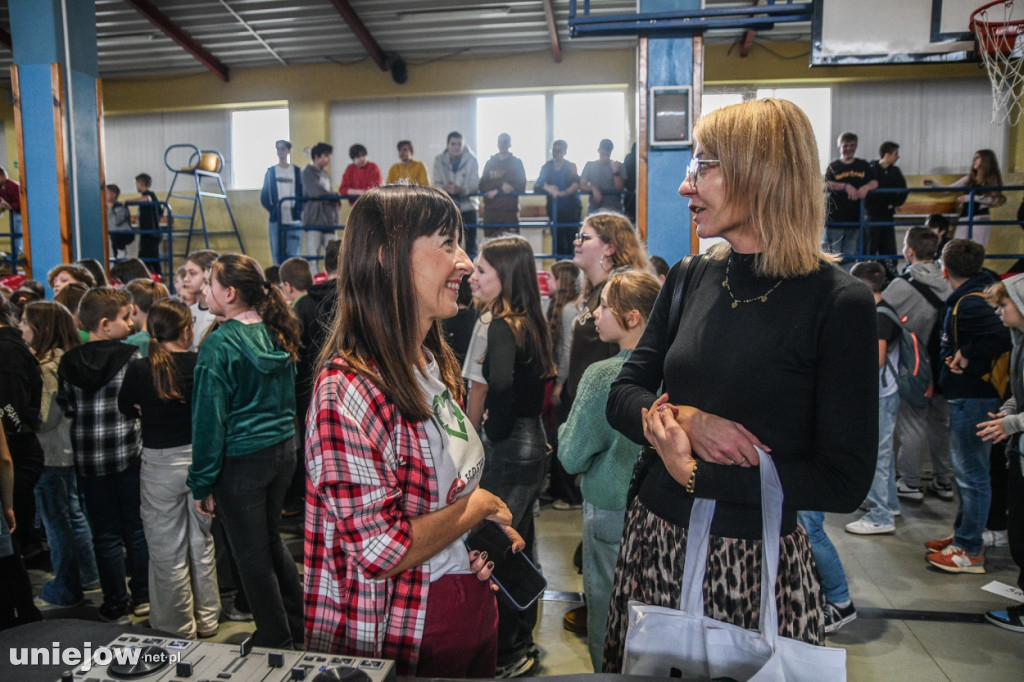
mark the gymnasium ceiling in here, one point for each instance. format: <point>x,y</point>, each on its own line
<point>235,34</point>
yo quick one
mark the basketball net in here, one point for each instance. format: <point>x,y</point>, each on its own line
<point>998,36</point>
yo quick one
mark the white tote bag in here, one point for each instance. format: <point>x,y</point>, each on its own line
<point>665,642</point>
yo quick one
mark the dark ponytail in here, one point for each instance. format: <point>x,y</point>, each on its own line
<point>246,276</point>
<point>168,320</point>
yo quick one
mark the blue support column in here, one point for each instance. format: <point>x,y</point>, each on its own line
<point>44,33</point>
<point>670,62</point>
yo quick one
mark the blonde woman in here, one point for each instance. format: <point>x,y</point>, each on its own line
<point>770,329</point>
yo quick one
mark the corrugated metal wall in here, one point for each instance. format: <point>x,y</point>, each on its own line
<point>938,124</point>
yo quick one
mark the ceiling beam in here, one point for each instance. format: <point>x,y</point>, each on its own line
<point>5,39</point>
<point>180,36</point>
<point>556,47</point>
<point>361,32</point>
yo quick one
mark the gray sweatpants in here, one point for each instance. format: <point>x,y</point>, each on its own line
<point>183,592</point>
<point>924,433</point>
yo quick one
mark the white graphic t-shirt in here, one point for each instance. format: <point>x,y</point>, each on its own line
<point>456,454</point>
<point>473,365</point>
<point>202,320</point>
<point>286,190</point>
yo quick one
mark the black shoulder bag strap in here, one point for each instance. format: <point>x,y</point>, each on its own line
<point>925,290</point>
<point>687,269</point>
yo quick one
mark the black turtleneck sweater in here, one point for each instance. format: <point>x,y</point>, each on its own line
<point>799,370</point>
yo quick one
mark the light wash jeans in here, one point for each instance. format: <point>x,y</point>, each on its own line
<point>317,239</point>
<point>980,233</point>
<point>971,469</point>
<point>183,593</point>
<point>602,535</point>
<point>290,239</point>
<point>843,241</point>
<point>924,433</point>
<point>67,530</point>
<point>830,568</point>
<point>882,502</point>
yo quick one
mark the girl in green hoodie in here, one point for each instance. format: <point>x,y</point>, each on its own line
<point>243,451</point>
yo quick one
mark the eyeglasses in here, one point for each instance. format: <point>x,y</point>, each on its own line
<point>693,169</point>
<point>581,237</point>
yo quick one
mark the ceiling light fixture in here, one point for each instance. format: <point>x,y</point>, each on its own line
<point>455,13</point>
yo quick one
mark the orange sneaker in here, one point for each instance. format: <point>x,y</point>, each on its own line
<point>939,545</point>
<point>956,560</point>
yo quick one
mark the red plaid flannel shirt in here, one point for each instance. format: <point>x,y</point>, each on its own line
<point>367,478</point>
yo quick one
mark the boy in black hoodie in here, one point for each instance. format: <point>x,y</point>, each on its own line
<point>108,449</point>
<point>973,337</point>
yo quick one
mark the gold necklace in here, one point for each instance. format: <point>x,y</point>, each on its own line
<point>736,301</point>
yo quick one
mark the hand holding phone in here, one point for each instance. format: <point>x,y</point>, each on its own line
<point>516,576</point>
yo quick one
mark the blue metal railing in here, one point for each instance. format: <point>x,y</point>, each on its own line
<point>539,223</point>
<point>689,22</point>
<point>12,258</point>
<point>969,220</point>
<point>165,231</point>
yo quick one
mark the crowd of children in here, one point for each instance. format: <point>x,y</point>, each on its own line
<point>125,374</point>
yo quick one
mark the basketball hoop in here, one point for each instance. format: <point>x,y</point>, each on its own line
<point>999,46</point>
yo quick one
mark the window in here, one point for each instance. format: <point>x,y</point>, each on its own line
<point>583,119</point>
<point>716,100</point>
<point>522,117</point>
<point>817,104</point>
<point>253,133</point>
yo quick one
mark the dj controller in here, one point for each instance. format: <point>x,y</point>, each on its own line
<point>163,659</point>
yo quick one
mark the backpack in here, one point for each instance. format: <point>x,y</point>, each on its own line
<point>934,345</point>
<point>914,371</point>
<point>999,373</point>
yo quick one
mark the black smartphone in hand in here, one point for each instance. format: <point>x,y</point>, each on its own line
<point>516,576</point>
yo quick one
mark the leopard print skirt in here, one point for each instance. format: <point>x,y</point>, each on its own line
<point>650,570</point>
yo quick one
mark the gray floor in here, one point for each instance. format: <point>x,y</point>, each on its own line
<point>915,622</point>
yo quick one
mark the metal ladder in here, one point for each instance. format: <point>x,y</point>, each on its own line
<point>202,164</point>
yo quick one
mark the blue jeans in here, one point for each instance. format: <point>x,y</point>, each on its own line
<point>469,219</point>
<point>514,471</point>
<point>292,242</point>
<point>970,457</point>
<point>114,501</point>
<point>249,496</point>
<point>842,241</point>
<point>15,234</point>
<point>830,568</point>
<point>882,500</point>
<point>67,529</point>
<point>602,535</point>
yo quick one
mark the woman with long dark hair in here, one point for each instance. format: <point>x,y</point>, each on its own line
<point>243,427</point>
<point>394,466</point>
<point>517,366</point>
<point>984,173</point>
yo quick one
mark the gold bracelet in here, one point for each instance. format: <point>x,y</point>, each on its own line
<point>693,478</point>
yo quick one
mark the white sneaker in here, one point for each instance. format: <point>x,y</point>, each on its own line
<point>994,538</point>
<point>865,527</point>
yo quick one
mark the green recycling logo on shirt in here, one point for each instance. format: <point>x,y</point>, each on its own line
<point>450,415</point>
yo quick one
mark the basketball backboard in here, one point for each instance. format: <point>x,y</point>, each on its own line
<point>891,31</point>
